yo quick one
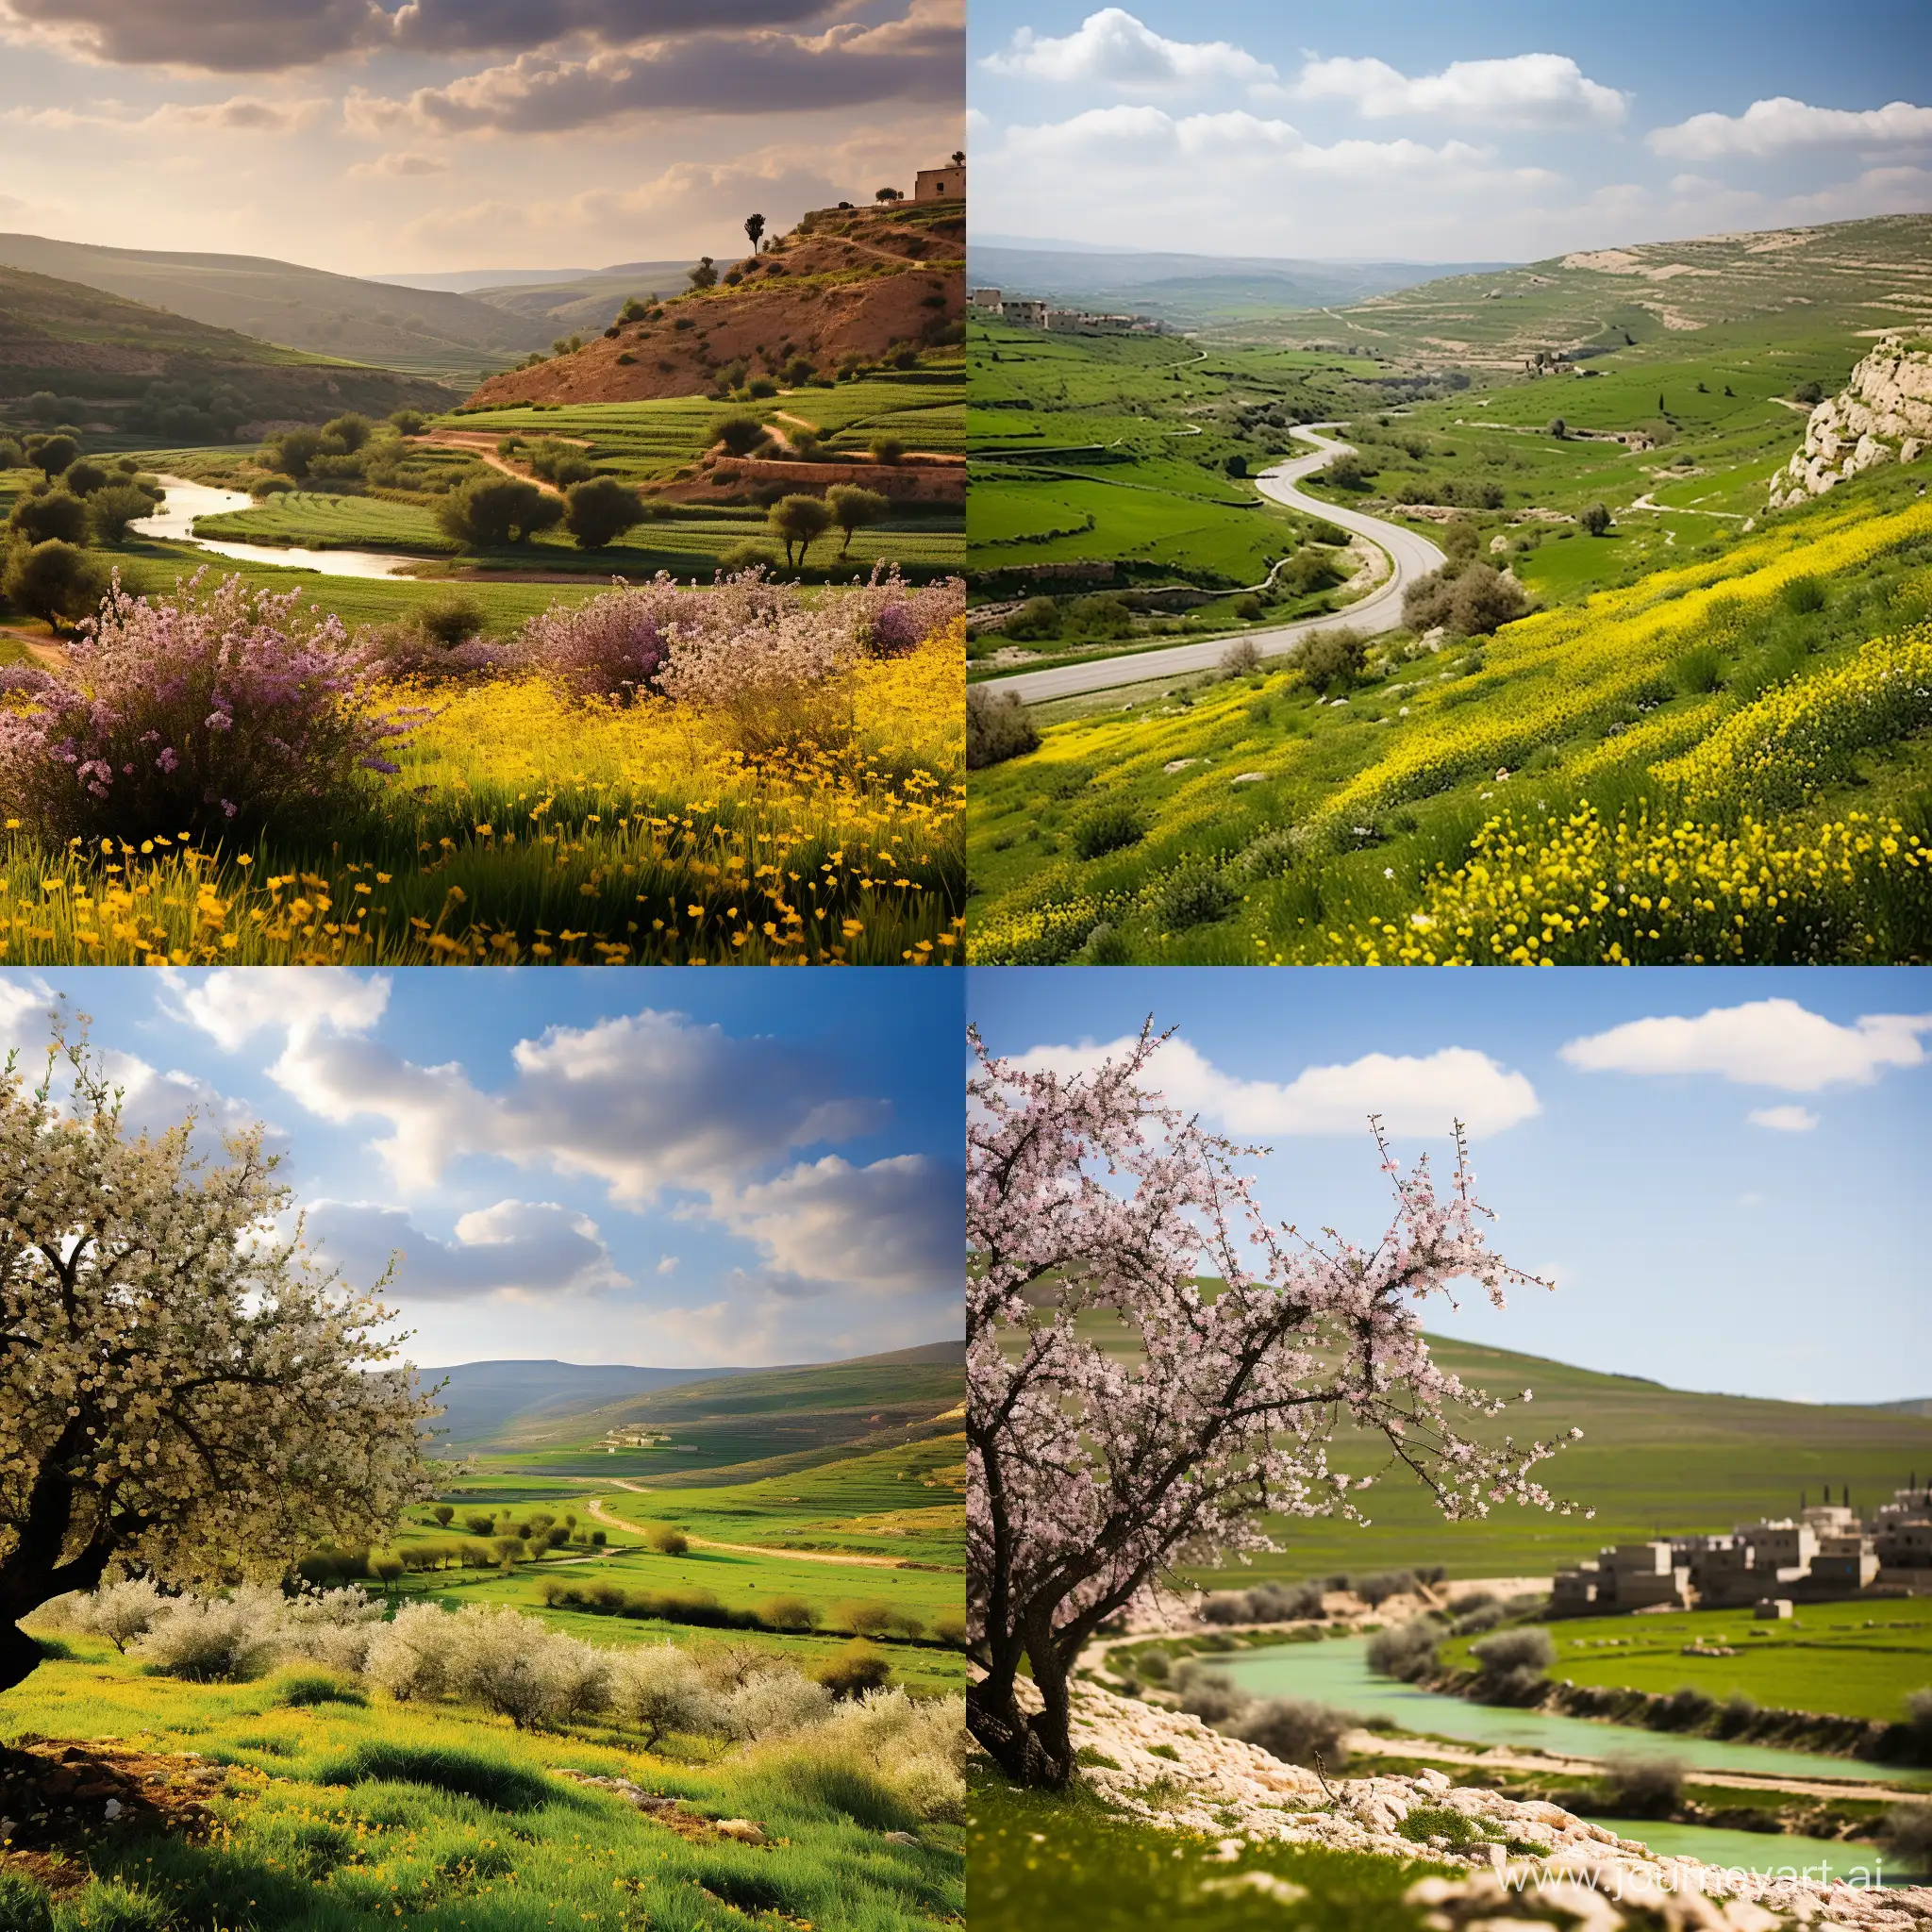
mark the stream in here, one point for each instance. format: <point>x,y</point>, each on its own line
<point>1335,1672</point>
<point>186,501</point>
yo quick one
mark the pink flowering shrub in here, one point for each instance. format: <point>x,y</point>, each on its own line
<point>1093,1469</point>
<point>211,710</point>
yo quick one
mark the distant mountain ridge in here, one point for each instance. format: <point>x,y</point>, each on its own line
<point>421,331</point>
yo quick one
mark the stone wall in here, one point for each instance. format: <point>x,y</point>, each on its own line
<point>1883,415</point>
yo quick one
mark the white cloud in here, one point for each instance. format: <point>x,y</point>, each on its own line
<point>232,1005</point>
<point>1412,1095</point>
<point>526,1249</point>
<point>895,1227</point>
<point>1783,1119</point>
<point>1782,125</point>
<point>667,1264</point>
<point>1525,90</point>
<point>1111,48</point>
<point>1774,1043</point>
<point>401,164</point>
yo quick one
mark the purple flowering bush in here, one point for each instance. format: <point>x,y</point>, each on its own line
<point>213,711</point>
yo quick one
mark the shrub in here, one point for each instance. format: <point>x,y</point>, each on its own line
<point>1528,1648</point>
<point>863,1619</point>
<point>669,1540</point>
<point>224,711</point>
<point>54,516</point>
<point>600,509</point>
<point>744,556</point>
<point>1241,657</point>
<point>790,1613</point>
<point>54,581</point>
<point>775,1702</point>
<point>1642,1786</point>
<point>517,1667</point>
<point>1476,1618</point>
<point>857,1668</point>
<point>1037,619</point>
<point>1331,661</point>
<point>347,434</point>
<point>1803,597</point>
<point>214,1640</point>
<point>488,511</point>
<point>1596,518</point>
<point>916,1751</point>
<point>1698,670</point>
<point>50,454</point>
<point>1375,1589</point>
<point>997,727</point>
<point>887,449</point>
<point>1405,1650</point>
<point>1109,827</point>
<point>1481,600</point>
<point>82,477</point>
<point>12,455</point>
<point>1293,1731</point>
<point>291,452</point>
<point>1684,1708</point>
<point>411,1655</point>
<point>1210,1694</point>
<point>1907,1832</point>
<point>1738,1714</point>
<point>1154,1666</point>
<point>449,619</point>
<point>408,422</point>
<point>1194,894</point>
<point>739,435</point>
<point>659,1688</point>
<point>110,511</point>
<point>1280,1603</point>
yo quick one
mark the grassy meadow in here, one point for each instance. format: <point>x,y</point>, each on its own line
<point>1845,1659</point>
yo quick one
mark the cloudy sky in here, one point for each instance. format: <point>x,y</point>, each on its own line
<point>1414,131</point>
<point>665,1168</point>
<point>390,136</point>
<point>1723,1172</point>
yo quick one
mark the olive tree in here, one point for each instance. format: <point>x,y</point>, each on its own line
<point>183,1391</point>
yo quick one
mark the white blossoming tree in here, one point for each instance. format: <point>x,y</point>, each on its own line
<point>182,1391</point>
<point>1122,1417</point>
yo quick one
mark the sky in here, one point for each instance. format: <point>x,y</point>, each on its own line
<point>378,137</point>
<point>665,1168</point>
<point>1417,132</point>
<point>1722,1171</point>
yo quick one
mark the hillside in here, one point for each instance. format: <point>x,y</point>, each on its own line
<point>78,342</point>
<point>1653,1461</point>
<point>585,300</point>
<point>423,331</point>
<point>1849,277</point>
<point>846,285</point>
<point>482,1402</point>
<point>1188,290</point>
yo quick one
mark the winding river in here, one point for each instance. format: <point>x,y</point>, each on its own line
<point>186,501</point>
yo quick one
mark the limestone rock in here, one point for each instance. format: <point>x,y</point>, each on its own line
<point>1882,415</point>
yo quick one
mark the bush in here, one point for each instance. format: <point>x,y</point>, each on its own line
<point>1596,518</point>
<point>669,1540</point>
<point>225,711</point>
<point>1907,1833</point>
<point>1476,1617</point>
<point>82,477</point>
<point>915,1750</point>
<point>1683,1708</point>
<point>1281,1603</point>
<point>600,509</point>
<point>489,511</point>
<point>408,422</point>
<point>776,1702</point>
<point>50,454</point>
<point>449,619</point>
<point>1295,1732</point>
<point>1482,600</point>
<point>517,1667</point>
<point>1109,827</point>
<point>1405,1650</point>
<point>997,727</point>
<point>56,516</point>
<point>53,582</point>
<point>1194,894</point>
<point>857,1668</point>
<point>1803,597</point>
<point>1375,1589</point>
<point>122,1611</point>
<point>1698,670</point>
<point>1210,1694</point>
<point>214,1640</point>
<point>739,435</point>
<point>110,511</point>
<point>1331,661</point>
<point>1738,1714</point>
<point>1241,657</point>
<point>887,449</point>
<point>1528,1648</point>
<point>1642,1786</point>
<point>790,1613</point>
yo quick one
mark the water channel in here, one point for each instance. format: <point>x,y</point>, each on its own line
<point>186,501</point>
<point>1335,1672</point>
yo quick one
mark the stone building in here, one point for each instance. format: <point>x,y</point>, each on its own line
<point>940,184</point>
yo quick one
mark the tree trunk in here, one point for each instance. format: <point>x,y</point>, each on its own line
<point>20,1656</point>
<point>1032,1750</point>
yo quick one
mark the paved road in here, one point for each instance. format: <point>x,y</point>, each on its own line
<point>1381,610</point>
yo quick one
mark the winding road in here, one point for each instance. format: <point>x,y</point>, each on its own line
<point>1413,555</point>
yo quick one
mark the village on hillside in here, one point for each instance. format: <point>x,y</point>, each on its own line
<point>1825,1554</point>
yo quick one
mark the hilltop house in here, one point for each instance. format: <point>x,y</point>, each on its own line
<point>940,184</point>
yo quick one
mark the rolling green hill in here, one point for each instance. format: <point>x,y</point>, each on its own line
<point>1847,277</point>
<point>1653,1461</point>
<point>107,351</point>
<point>423,331</point>
<point>588,301</point>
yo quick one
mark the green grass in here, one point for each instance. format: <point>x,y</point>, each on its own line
<point>1845,1659</point>
<point>433,1818</point>
<point>1653,1462</point>
<point>1041,1858</point>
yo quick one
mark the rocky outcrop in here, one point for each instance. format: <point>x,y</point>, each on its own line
<point>1882,415</point>
<point>1535,1859</point>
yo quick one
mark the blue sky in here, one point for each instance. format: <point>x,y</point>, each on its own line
<point>667,1168</point>
<point>1723,1171</point>
<point>1431,133</point>
<point>389,135</point>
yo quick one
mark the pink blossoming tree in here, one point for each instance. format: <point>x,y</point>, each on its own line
<point>1121,1419</point>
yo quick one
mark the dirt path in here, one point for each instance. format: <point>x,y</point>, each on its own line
<point>44,651</point>
<point>483,448</point>
<point>594,1505</point>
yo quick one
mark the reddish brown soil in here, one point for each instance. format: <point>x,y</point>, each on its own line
<point>921,479</point>
<point>893,276</point>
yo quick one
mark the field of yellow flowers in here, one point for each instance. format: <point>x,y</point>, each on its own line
<point>529,828</point>
<point>1724,761</point>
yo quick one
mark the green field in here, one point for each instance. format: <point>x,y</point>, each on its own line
<point>1845,1659</point>
<point>338,1815</point>
<point>1653,1462</point>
